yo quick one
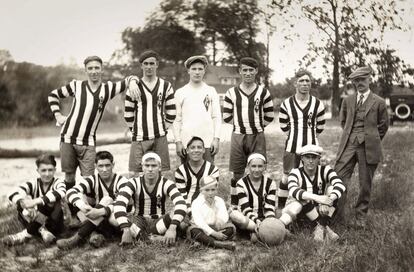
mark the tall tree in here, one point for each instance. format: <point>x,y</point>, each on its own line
<point>389,70</point>
<point>173,42</point>
<point>348,30</point>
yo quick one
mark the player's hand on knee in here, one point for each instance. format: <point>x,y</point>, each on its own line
<point>84,208</point>
<point>323,209</point>
<point>324,200</point>
<point>219,235</point>
<point>95,213</point>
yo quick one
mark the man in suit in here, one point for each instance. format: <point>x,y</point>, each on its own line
<point>364,120</point>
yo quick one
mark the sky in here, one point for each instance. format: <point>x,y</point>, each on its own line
<point>51,32</point>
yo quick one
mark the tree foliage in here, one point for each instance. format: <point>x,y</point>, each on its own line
<point>348,33</point>
<point>24,88</point>
<point>180,28</point>
<point>173,42</point>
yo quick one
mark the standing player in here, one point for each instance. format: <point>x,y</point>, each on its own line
<point>93,197</point>
<point>39,204</point>
<point>189,174</point>
<point>302,118</point>
<point>150,116</point>
<point>77,136</point>
<point>249,107</point>
<point>149,193</point>
<point>365,122</point>
<point>198,111</point>
<point>314,191</point>
<point>257,196</point>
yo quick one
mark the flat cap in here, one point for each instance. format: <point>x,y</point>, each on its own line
<point>200,58</point>
<point>208,182</point>
<point>92,58</point>
<point>148,54</point>
<point>310,149</point>
<point>365,71</point>
<point>249,62</point>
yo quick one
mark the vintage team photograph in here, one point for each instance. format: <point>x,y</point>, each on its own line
<point>207,135</point>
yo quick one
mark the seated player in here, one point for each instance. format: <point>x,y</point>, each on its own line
<point>210,223</point>
<point>93,197</point>
<point>39,205</point>
<point>257,196</point>
<point>149,193</point>
<point>313,191</point>
<point>189,174</point>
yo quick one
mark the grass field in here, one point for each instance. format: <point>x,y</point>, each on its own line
<point>386,245</point>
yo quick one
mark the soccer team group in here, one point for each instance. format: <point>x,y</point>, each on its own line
<point>104,204</point>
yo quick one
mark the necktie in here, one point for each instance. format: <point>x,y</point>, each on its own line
<point>360,101</point>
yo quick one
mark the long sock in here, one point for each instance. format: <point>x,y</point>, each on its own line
<point>282,195</point>
<point>200,236</point>
<point>86,229</point>
<point>234,199</point>
<point>323,220</point>
<point>229,232</point>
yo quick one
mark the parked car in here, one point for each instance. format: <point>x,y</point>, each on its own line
<point>400,107</point>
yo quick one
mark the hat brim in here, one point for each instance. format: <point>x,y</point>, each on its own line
<point>310,152</point>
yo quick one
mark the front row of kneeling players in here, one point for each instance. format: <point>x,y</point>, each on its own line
<point>109,205</point>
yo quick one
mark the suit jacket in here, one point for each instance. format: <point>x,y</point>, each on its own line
<point>376,124</point>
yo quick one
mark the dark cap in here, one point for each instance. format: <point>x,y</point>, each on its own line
<point>363,72</point>
<point>249,62</point>
<point>148,54</point>
<point>92,58</point>
<point>200,58</point>
<point>301,72</point>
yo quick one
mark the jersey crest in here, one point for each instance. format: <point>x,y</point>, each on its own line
<point>206,102</point>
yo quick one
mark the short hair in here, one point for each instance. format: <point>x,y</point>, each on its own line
<point>249,62</point>
<point>92,58</point>
<point>45,159</point>
<point>103,155</point>
<point>303,72</point>
<point>148,54</point>
<point>193,139</point>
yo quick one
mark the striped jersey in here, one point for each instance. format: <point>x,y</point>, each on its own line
<point>150,204</point>
<point>54,192</point>
<point>250,113</point>
<point>257,204</point>
<point>87,109</point>
<point>302,125</point>
<point>153,113</point>
<point>94,188</point>
<point>188,182</point>
<point>299,182</point>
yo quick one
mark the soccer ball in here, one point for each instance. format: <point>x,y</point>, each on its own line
<point>271,231</point>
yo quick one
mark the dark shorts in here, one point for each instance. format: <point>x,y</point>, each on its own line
<point>149,225</point>
<point>242,145</point>
<point>138,149</point>
<point>73,155</point>
<point>290,161</point>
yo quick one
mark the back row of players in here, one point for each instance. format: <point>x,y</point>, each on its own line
<point>151,106</point>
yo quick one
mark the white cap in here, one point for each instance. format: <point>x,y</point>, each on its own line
<point>310,149</point>
<point>151,155</point>
<point>208,182</point>
<point>256,156</point>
